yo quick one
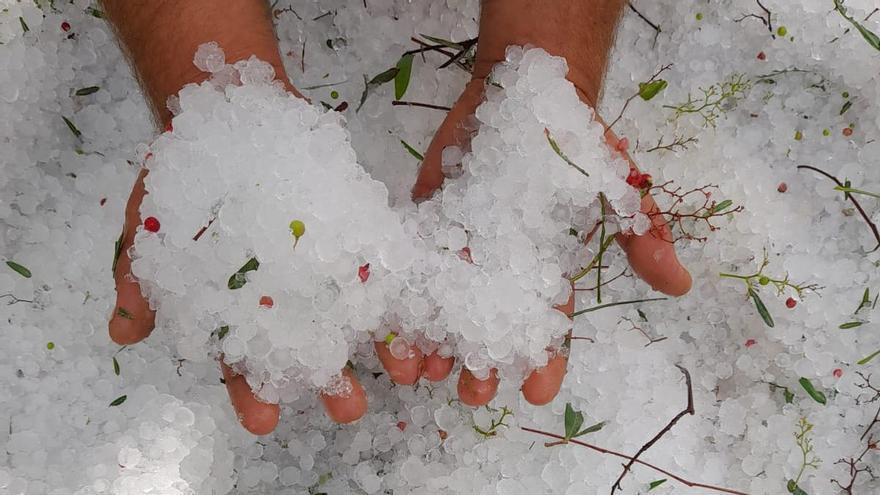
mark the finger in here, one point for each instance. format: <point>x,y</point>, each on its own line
<point>132,319</point>
<point>652,255</point>
<point>347,406</point>
<point>402,371</point>
<point>542,384</point>
<point>436,368</point>
<point>452,132</point>
<point>475,392</point>
<point>257,417</point>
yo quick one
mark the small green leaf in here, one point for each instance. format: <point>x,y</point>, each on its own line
<point>238,279</point>
<point>793,487</point>
<point>762,310</point>
<point>868,358</point>
<point>95,12</point>
<point>845,107</point>
<point>384,77</point>
<point>124,313</point>
<point>222,331</point>
<point>87,91</point>
<point>592,429</point>
<point>851,324</point>
<point>412,151</point>
<point>119,400</point>
<point>788,394</point>
<point>440,41</point>
<point>718,208</point>
<point>866,33</point>
<point>573,421</point>
<point>817,395</point>
<point>115,366</point>
<point>648,90</point>
<point>117,250</point>
<point>866,300</point>
<point>24,26</point>
<point>72,127</point>
<point>655,484</point>
<point>21,270</point>
<point>401,79</point>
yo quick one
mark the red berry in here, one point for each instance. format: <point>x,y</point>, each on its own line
<point>465,255</point>
<point>847,131</point>
<point>790,303</point>
<point>103,201</point>
<point>782,187</point>
<point>751,342</point>
<point>762,56</point>
<point>645,181</point>
<point>65,26</point>
<point>364,272</point>
<point>151,224</point>
<point>401,425</point>
<point>837,373</point>
<point>633,177</point>
<point>266,302</point>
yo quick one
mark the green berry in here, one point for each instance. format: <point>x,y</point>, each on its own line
<point>390,337</point>
<point>334,94</point>
<point>699,16</point>
<point>798,135</point>
<point>50,345</point>
<point>782,31</point>
<point>845,94</point>
<point>297,228</point>
<point>826,132</point>
<point>764,280</point>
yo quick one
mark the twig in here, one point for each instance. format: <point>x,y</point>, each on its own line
<point>854,201</point>
<point>651,340</point>
<point>15,300</point>
<point>619,303</point>
<point>465,47</point>
<point>677,141</point>
<point>397,103</point>
<point>436,48</point>
<point>602,450</point>
<point>647,21</point>
<point>635,95</point>
<point>689,409</point>
<point>765,21</point>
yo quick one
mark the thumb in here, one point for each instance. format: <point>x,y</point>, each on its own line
<point>452,132</point>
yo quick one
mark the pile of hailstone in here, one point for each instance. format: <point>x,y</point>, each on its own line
<point>268,231</point>
<point>266,241</point>
<point>534,172</point>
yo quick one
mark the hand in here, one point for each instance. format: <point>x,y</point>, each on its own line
<point>651,256</point>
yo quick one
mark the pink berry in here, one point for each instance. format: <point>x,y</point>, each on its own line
<point>837,373</point>
<point>464,254</point>
<point>751,342</point>
<point>401,425</point>
<point>847,131</point>
<point>782,187</point>
<point>266,302</point>
<point>762,56</point>
<point>364,272</point>
<point>151,224</point>
<point>65,26</point>
<point>790,303</point>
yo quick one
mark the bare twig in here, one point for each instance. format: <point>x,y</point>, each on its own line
<point>417,104</point>
<point>850,197</point>
<point>635,95</point>
<point>651,340</point>
<point>654,26</point>
<point>678,141</point>
<point>689,409</point>
<point>15,300</point>
<point>765,18</point>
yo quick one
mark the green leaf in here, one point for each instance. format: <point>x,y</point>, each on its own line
<point>817,395</point>
<point>119,400</point>
<point>592,429</point>
<point>222,331</point>
<point>95,12</point>
<point>401,79</point>
<point>793,487</point>
<point>115,366</point>
<point>72,127</point>
<point>718,208</point>
<point>869,357</point>
<point>238,279</point>
<point>866,33</point>
<point>655,484</point>
<point>642,315</point>
<point>789,395</point>
<point>87,91</point>
<point>851,324</point>
<point>124,313</point>
<point>573,421</point>
<point>762,310</point>
<point>412,151</point>
<point>21,270</point>
<point>866,300</point>
<point>845,107</point>
<point>117,250</point>
<point>648,90</point>
<point>384,77</point>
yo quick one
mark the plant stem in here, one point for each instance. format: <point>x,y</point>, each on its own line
<point>603,306</point>
<point>856,191</point>
<point>593,262</point>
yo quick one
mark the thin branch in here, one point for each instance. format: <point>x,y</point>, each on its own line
<point>655,27</point>
<point>854,201</point>
<point>689,409</point>
<point>417,104</point>
<point>602,450</point>
<point>677,142</point>
<point>635,95</point>
<point>15,300</point>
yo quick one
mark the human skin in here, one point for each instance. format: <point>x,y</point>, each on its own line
<point>160,38</point>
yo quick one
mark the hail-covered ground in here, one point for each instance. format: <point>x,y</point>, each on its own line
<point>779,354</point>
